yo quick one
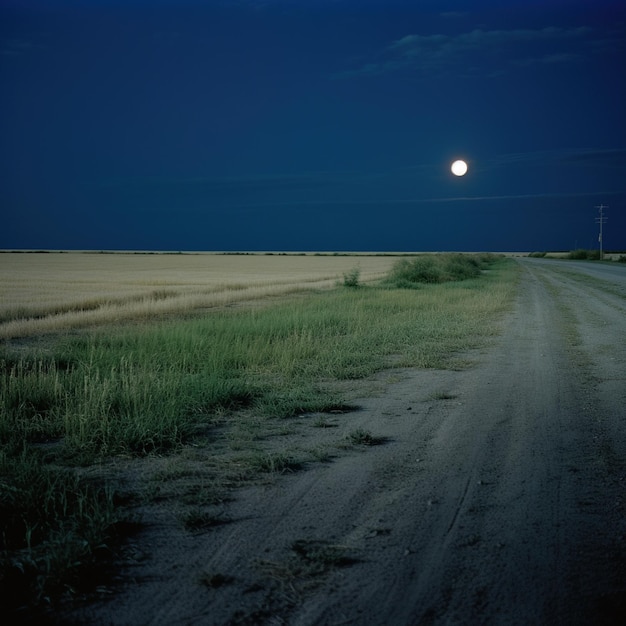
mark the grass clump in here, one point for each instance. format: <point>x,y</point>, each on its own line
<point>362,437</point>
<point>273,463</point>
<point>321,556</point>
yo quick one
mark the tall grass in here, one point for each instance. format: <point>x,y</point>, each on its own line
<point>137,389</point>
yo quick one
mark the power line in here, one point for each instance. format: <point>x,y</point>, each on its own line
<point>601,219</point>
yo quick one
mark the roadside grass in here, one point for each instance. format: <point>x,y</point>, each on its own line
<point>222,384</point>
<point>439,268</point>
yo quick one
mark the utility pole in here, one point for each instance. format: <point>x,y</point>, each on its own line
<point>601,219</point>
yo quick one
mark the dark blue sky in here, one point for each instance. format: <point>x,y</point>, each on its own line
<point>312,124</point>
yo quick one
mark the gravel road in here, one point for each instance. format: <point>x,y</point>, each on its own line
<point>498,496</point>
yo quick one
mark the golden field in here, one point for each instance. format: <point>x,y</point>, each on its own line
<point>50,292</point>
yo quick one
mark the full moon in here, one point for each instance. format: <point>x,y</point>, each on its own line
<point>459,168</point>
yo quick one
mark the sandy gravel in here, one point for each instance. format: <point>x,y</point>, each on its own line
<point>497,496</point>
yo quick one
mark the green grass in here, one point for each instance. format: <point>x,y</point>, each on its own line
<point>152,387</point>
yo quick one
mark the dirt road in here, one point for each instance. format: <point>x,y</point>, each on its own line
<point>498,496</point>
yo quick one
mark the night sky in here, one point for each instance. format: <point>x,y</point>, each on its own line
<point>321,125</point>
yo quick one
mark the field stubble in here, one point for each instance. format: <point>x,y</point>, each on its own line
<point>53,292</point>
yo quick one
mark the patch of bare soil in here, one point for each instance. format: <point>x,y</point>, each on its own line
<point>495,495</point>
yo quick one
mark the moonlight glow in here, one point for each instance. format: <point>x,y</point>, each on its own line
<point>459,168</point>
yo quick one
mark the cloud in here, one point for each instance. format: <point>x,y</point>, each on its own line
<point>334,203</point>
<point>13,47</point>
<point>588,157</point>
<point>522,196</point>
<point>598,158</point>
<point>480,39</point>
<point>502,48</point>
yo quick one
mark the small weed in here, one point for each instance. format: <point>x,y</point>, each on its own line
<point>198,520</point>
<point>361,437</point>
<point>273,462</point>
<point>215,580</point>
<point>321,554</point>
<point>321,421</point>
<point>321,454</point>
<point>442,395</point>
<point>310,560</point>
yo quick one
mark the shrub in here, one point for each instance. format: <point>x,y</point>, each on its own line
<point>437,268</point>
<point>584,255</point>
<point>351,278</point>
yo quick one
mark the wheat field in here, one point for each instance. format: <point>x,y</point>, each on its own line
<point>52,292</point>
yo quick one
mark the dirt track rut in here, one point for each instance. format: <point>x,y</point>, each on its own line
<point>497,499</point>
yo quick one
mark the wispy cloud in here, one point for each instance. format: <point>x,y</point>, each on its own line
<point>501,47</point>
<point>547,59</point>
<point>582,157</point>
<point>13,47</point>
<point>599,158</point>
<point>522,196</point>
<point>333,203</point>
